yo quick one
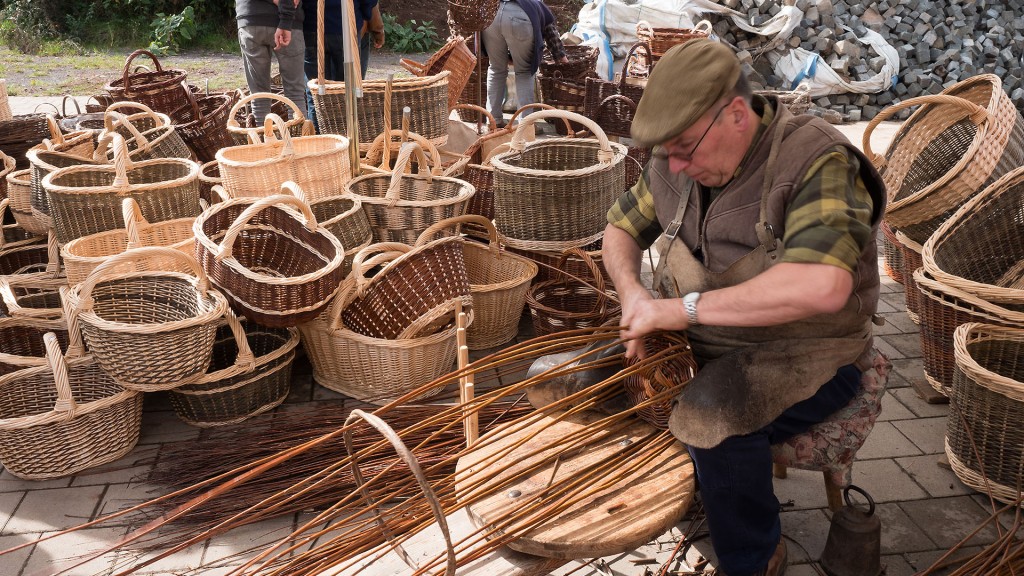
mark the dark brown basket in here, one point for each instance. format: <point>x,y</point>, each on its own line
<point>279,268</point>
<point>614,116</point>
<point>470,16</point>
<point>20,133</point>
<point>661,40</point>
<point>656,384</point>
<point>241,382</point>
<point>563,94</point>
<point>944,308</point>
<point>582,63</point>
<point>203,123</point>
<point>414,292</point>
<point>475,91</point>
<point>550,268</point>
<point>162,90</point>
<point>984,438</point>
<point>564,304</point>
<point>892,253</point>
<point>21,342</point>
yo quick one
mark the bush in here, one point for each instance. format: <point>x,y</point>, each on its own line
<point>170,30</point>
<point>409,37</point>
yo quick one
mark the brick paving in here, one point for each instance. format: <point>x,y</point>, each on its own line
<point>923,506</point>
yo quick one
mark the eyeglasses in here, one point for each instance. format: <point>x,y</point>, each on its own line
<point>689,155</point>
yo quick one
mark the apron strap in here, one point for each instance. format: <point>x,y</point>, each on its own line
<point>765,232</point>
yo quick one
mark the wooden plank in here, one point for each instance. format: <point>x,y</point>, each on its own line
<point>616,519</point>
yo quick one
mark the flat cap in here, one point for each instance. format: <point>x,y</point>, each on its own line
<point>685,83</point>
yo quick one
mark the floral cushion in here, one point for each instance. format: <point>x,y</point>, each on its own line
<point>831,445</point>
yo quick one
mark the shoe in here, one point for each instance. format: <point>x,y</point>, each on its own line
<point>779,560</point>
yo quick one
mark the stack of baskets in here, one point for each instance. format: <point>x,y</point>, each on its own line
<point>564,85</point>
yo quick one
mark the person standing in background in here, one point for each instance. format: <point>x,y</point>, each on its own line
<point>265,31</point>
<point>520,28</point>
<point>369,25</point>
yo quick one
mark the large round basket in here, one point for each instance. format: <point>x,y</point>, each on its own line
<point>980,249</point>
<point>160,89</point>
<point>275,264</point>
<point>498,282</point>
<point>943,309</point>
<point>553,193</point>
<point>64,417</point>
<point>568,304</point>
<point>87,199</point>
<point>318,164</point>
<point>350,363</point>
<point>472,15</point>
<point>983,433</point>
<point>413,294</point>
<point>151,330</point>
<point>957,143</point>
<point>250,373</point>
<point>401,206</point>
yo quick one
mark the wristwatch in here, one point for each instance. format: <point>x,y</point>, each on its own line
<point>690,305</point>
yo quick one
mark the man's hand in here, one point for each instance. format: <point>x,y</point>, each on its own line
<point>282,38</point>
<point>643,315</point>
<point>378,38</point>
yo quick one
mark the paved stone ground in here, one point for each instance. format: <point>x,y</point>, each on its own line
<point>924,508</point>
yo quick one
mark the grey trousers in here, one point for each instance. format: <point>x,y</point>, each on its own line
<point>257,44</point>
<point>510,32</point>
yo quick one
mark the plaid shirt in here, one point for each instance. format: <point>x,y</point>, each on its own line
<point>553,41</point>
<point>828,221</point>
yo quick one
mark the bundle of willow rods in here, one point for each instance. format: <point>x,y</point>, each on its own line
<point>354,535</point>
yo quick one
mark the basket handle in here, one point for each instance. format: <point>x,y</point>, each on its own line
<point>126,75</point>
<point>269,123</point>
<point>224,250</point>
<point>644,27</point>
<point>976,113</point>
<point>112,119</point>
<point>491,123</point>
<point>703,27</point>
<point>53,268</point>
<point>133,221</point>
<point>377,147</point>
<point>365,259</point>
<point>233,123</point>
<point>192,101</point>
<point>570,133</point>
<point>65,403</point>
<point>142,109</point>
<point>295,190</point>
<point>245,360</point>
<point>616,98</point>
<point>56,136</point>
<point>76,346</point>
<point>219,192</point>
<point>632,52</point>
<point>417,472</point>
<point>101,272</point>
<point>605,155</point>
<point>416,68</point>
<point>64,106</point>
<point>492,232</point>
<point>602,298</point>
<point>397,174</point>
<point>122,162</point>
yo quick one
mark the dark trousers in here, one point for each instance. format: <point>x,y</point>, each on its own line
<point>736,479</point>
<point>334,63</point>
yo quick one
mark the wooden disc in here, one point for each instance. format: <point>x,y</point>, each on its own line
<point>634,510</point>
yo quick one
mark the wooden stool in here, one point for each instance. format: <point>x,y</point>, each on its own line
<point>831,445</point>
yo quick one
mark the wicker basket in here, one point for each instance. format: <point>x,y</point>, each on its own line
<point>661,40</point>
<point>892,253</point>
<point>980,249</point>
<point>648,387</point>
<point>382,159</point>
<point>401,206</point>
<point>569,95</point>
<point>553,194</point>
<point>19,191</point>
<point>87,199</point>
<point>910,255</point>
<point>297,124</point>
<point>344,217</point>
<point>250,374</point>
<point>53,154</point>
<point>277,266</point>
<point>82,255</point>
<point>413,295</point>
<point>21,342</point>
<point>470,16</point>
<point>984,438</point>
<point>13,235</point>
<point>614,116</point>
<point>162,140</point>
<point>456,58</point>
<point>77,143</point>
<point>30,276</point>
<point>7,165</point>
<point>318,164</point>
<point>62,418</point>
<point>426,97</point>
<point>564,304</point>
<point>552,267</point>
<point>162,90</point>
<point>150,330</point>
<point>498,282</point>
<point>209,176</point>
<point>350,363</point>
<point>951,148</point>
<point>943,309</point>
<point>582,63</point>
<point>203,123</point>
<point>20,133</point>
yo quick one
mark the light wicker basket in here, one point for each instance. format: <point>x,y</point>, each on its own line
<point>64,417</point>
<point>160,141</point>
<point>297,125</point>
<point>498,281</point>
<point>984,440</point>
<point>319,164</point>
<point>553,194</point>
<point>400,206</point>
<point>344,217</point>
<point>150,330</point>
<point>30,276</point>
<point>250,374</point>
<point>278,266</point>
<point>19,191</point>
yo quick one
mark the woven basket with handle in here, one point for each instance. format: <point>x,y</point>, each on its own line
<point>64,417</point>
<point>270,257</point>
<point>162,90</point>
<point>243,133</point>
<point>19,191</point>
<point>21,342</point>
<point>455,57</point>
<point>344,217</point>
<point>147,134</point>
<point>203,123</point>
<point>567,304</point>
<point>661,40</point>
<point>471,15</point>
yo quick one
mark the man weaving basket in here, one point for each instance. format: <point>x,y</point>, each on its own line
<point>765,225</point>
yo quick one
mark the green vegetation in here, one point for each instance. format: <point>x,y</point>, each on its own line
<point>410,36</point>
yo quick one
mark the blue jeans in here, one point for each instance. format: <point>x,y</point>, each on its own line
<point>736,479</point>
<point>334,63</point>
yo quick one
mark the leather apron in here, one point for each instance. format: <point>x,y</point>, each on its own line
<point>749,375</point>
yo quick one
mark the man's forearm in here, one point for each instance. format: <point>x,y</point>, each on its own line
<point>621,255</point>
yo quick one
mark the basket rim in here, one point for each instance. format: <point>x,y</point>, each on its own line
<point>181,181</point>
<point>224,156</point>
<point>975,332</point>
<point>465,191</point>
<point>289,344</point>
<point>619,153</point>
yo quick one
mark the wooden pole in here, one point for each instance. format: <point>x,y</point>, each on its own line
<point>466,383</point>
